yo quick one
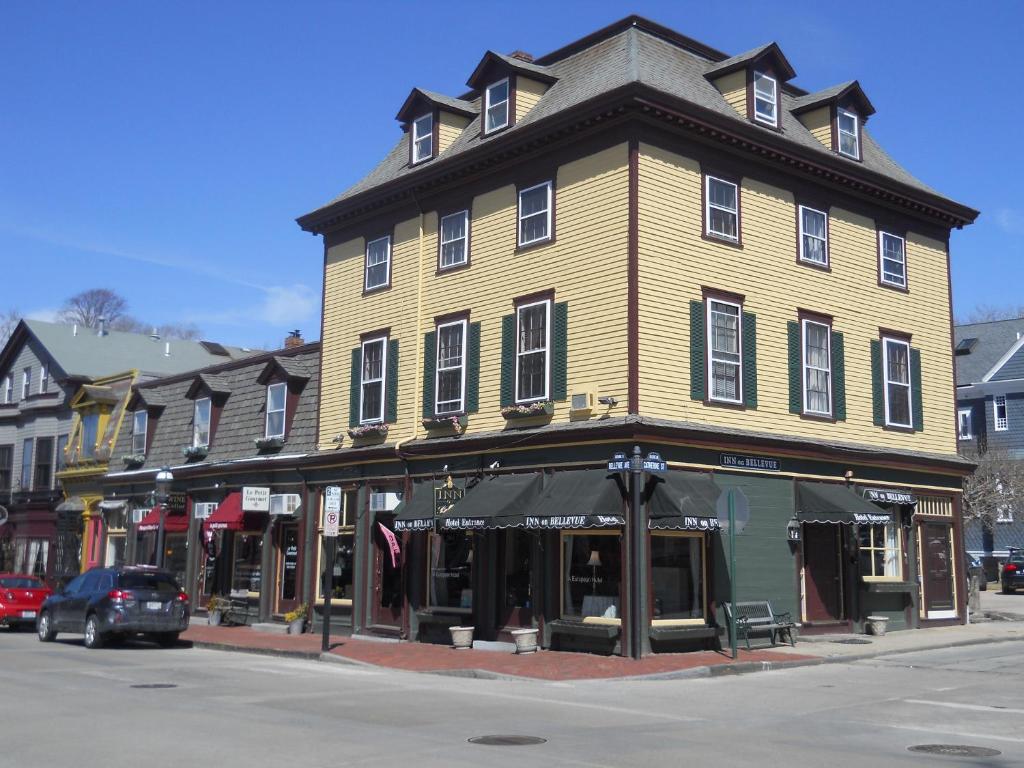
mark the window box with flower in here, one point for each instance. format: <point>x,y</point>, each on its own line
<point>269,443</point>
<point>456,424</point>
<point>377,431</point>
<point>528,410</point>
<point>133,459</point>
<point>195,451</point>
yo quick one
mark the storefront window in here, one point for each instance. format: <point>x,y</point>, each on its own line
<point>337,576</point>
<point>289,561</point>
<point>517,570</point>
<point>677,576</point>
<point>591,575</point>
<point>176,555</point>
<point>30,556</point>
<point>245,576</point>
<point>879,551</point>
<point>451,569</point>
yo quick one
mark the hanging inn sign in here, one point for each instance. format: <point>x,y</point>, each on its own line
<point>446,496</point>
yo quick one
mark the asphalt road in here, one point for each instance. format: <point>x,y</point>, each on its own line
<point>63,705</point>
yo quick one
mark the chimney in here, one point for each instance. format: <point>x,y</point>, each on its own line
<point>155,336</point>
<point>522,56</point>
<point>294,339</point>
<point>167,349</point>
<point>102,331</point>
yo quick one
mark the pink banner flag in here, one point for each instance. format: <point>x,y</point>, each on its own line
<point>392,545</point>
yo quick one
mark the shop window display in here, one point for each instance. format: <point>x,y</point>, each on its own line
<point>591,575</point>
<point>677,577</point>
<point>247,571</point>
<point>451,568</point>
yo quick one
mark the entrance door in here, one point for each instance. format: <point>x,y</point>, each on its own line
<point>822,572</point>
<point>938,572</point>
<point>515,605</point>
<point>387,581</point>
<point>288,567</point>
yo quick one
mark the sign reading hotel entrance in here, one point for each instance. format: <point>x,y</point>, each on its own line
<point>255,499</point>
<point>446,496</point>
<point>619,463</point>
<point>763,463</point>
<point>654,463</point>
<point>885,496</point>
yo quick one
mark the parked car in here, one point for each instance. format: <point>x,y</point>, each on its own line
<point>1012,575</point>
<point>114,603</point>
<point>976,572</point>
<point>20,597</point>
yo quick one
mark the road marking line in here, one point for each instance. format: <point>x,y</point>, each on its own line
<point>958,734</point>
<point>973,707</point>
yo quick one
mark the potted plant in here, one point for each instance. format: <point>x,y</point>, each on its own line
<point>215,609</point>
<point>269,443</point>
<point>528,410</point>
<point>877,625</point>
<point>296,619</point>
<point>457,424</point>
<point>462,637</point>
<point>133,459</point>
<point>195,451</point>
<point>526,639</point>
<point>369,431</point>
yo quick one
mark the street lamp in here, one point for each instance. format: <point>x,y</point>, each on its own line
<point>164,478</point>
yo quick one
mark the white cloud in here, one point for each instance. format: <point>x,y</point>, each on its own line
<point>46,315</point>
<point>1009,220</point>
<point>280,305</point>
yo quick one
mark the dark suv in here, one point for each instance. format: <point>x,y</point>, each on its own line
<point>1013,573</point>
<point>113,603</point>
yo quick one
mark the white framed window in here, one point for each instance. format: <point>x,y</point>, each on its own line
<point>9,388</point>
<point>849,134</point>
<point>496,104</point>
<point>201,422</point>
<point>892,259</point>
<point>880,552</point>
<point>44,378</point>
<point>724,345</point>
<point>896,366</point>
<point>26,382</point>
<point>999,414</point>
<point>1004,514</point>
<point>813,235</point>
<point>450,384</point>
<point>454,239</point>
<point>533,342</point>
<point>378,262</point>
<point>140,425</point>
<point>765,99</point>
<point>535,214</point>
<point>964,428</point>
<point>371,383</point>
<point>817,368</point>
<point>275,409</point>
<point>423,138</point>
<point>721,208</point>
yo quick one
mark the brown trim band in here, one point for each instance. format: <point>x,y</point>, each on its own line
<point>633,281</point>
<point>548,294</point>
<point>385,332</point>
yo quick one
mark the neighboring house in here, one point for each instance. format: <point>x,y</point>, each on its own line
<point>990,417</point>
<point>50,375</point>
<point>638,240</point>
<point>244,423</point>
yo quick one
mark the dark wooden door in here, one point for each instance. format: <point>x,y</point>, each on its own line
<point>387,583</point>
<point>515,601</point>
<point>287,567</point>
<point>938,571</point>
<point>822,572</point>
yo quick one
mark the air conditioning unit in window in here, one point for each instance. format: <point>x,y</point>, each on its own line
<point>384,502</point>
<point>137,514</point>
<point>284,503</point>
<point>582,402</point>
<point>201,510</point>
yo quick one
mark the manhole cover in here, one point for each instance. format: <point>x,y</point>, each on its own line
<point>507,741</point>
<point>155,685</point>
<point>955,750</point>
<point>853,641</point>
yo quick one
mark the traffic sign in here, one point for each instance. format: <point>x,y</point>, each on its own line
<point>332,499</point>
<point>741,509</point>
<point>331,524</point>
<point>619,463</point>
<point>654,463</point>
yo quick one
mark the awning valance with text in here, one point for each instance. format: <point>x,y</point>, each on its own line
<point>835,503</point>
<point>683,501</point>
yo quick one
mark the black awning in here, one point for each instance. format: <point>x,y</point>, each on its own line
<point>415,512</point>
<point>835,503</point>
<point>580,498</point>
<point>501,501</point>
<point>683,501</point>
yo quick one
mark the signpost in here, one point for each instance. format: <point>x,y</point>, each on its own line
<point>734,506</point>
<point>332,519</point>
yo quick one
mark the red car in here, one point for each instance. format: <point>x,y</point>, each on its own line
<point>20,598</point>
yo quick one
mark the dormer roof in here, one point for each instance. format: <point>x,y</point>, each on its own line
<point>292,370</point>
<point>848,91</point>
<point>420,101</point>
<point>480,77</point>
<point>215,385</point>
<point>150,399</point>
<point>769,52</point>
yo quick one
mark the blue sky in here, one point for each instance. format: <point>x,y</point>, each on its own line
<point>165,149</point>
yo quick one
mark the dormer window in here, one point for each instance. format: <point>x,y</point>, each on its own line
<point>496,104</point>
<point>849,134</point>
<point>9,389</point>
<point>201,423</point>
<point>140,425</point>
<point>275,409</point>
<point>423,138</point>
<point>766,99</point>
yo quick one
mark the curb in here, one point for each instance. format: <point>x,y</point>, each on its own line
<point>278,652</point>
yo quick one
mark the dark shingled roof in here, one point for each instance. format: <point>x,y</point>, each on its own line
<point>459,106</point>
<point>994,341</point>
<point>812,100</point>
<point>741,60</point>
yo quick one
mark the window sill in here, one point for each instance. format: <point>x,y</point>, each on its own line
<point>893,286</point>
<point>722,240</point>
<point>825,418</point>
<point>889,586</point>
<point>340,601</point>
<point>452,268</point>
<point>735,405</point>
<point>534,244</point>
<point>899,428</point>
<point>376,289</point>
<point>826,267</point>
<point>678,622</point>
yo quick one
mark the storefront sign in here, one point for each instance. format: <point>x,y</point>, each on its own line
<point>654,463</point>
<point>332,498</point>
<point>687,523</point>
<point>175,503</point>
<point>885,496</point>
<point>763,463</point>
<point>423,524</point>
<point>446,496</point>
<point>866,518</point>
<point>619,463</point>
<point>463,523</point>
<point>255,499</point>
<point>574,521</point>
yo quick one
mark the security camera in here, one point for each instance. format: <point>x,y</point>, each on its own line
<point>444,468</point>
<point>608,400</point>
<point>494,465</point>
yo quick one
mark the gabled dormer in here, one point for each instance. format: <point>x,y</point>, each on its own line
<point>836,117</point>
<point>144,409</point>
<point>751,83</point>
<point>509,87</point>
<point>209,393</point>
<point>433,122</point>
<point>284,379</point>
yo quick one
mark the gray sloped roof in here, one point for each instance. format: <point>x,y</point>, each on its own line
<point>458,105</point>
<point>803,102</point>
<point>90,355</point>
<point>994,341</point>
<point>242,419</point>
<point>636,56</point>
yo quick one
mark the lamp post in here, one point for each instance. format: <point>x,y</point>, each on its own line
<point>164,478</point>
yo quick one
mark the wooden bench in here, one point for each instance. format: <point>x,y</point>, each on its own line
<point>757,616</point>
<point>240,612</point>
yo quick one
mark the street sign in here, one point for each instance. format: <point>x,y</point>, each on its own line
<point>255,499</point>
<point>619,463</point>
<point>741,509</point>
<point>331,520</point>
<point>332,499</point>
<point>654,463</point>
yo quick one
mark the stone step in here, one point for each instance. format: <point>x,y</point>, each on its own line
<point>271,628</point>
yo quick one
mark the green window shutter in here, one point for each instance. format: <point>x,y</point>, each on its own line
<point>749,341</point>
<point>796,376</point>
<point>473,370</point>
<point>915,388</point>
<point>838,377</point>
<point>353,392</point>
<point>391,407</point>
<point>698,353</point>
<point>508,360</point>
<point>429,366</point>
<point>560,353</point>
<point>877,384</point>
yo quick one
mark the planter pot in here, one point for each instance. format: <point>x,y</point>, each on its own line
<point>462,637</point>
<point>538,410</point>
<point>214,618</point>
<point>526,640</point>
<point>297,627</point>
<point>877,625</point>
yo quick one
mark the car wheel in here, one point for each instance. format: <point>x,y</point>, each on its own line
<point>93,638</point>
<point>44,628</point>
<point>983,585</point>
<point>166,639</point>
<point>1008,590</point>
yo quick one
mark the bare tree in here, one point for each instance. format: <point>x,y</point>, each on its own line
<point>8,321</point>
<point>86,308</point>
<point>987,313</point>
<point>995,488</point>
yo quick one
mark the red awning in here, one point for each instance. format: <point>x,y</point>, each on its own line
<point>229,516</point>
<point>173,523</point>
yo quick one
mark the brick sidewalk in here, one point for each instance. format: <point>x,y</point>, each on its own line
<point>423,657</point>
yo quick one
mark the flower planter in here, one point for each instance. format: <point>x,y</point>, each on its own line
<point>297,627</point>
<point>531,411</point>
<point>462,637</point>
<point>133,460</point>
<point>269,443</point>
<point>195,452</point>
<point>214,618</point>
<point>456,424</point>
<point>526,640</point>
<point>369,432</point>
<point>877,625</point>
